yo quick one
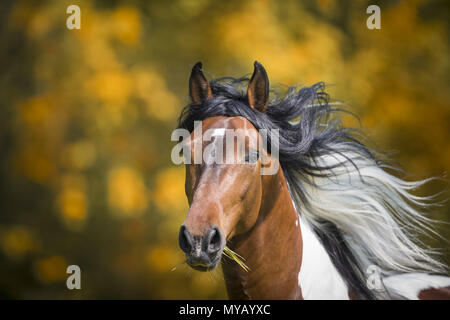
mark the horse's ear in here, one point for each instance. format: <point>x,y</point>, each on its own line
<point>199,88</point>
<point>258,88</point>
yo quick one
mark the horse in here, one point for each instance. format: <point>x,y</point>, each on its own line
<point>334,222</point>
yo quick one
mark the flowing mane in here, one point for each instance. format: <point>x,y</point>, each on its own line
<point>362,214</point>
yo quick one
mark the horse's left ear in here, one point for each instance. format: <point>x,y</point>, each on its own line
<point>258,88</point>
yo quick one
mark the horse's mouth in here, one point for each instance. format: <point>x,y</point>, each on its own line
<point>204,267</point>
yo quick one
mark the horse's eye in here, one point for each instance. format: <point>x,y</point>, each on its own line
<point>251,156</point>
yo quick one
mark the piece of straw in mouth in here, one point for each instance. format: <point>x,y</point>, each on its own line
<point>234,256</point>
<point>176,267</point>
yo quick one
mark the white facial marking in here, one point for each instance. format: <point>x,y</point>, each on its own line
<point>218,132</point>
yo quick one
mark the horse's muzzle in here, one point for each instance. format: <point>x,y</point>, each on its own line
<point>203,252</point>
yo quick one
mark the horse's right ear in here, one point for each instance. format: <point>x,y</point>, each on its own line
<point>199,88</point>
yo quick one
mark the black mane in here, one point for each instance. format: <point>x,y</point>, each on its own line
<point>308,127</point>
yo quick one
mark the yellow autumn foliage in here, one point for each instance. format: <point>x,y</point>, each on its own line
<point>87,115</point>
<point>169,193</point>
<point>51,269</point>
<point>127,191</point>
<point>17,242</point>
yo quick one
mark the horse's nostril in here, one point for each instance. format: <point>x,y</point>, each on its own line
<point>215,240</point>
<point>199,248</point>
<point>185,239</point>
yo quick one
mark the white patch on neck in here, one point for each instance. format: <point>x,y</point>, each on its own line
<point>318,278</point>
<point>409,285</point>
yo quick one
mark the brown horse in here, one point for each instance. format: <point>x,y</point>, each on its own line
<point>330,224</point>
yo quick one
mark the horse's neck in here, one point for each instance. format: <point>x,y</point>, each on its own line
<point>272,250</point>
<point>318,278</point>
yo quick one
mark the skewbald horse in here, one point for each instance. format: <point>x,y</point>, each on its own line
<point>311,230</point>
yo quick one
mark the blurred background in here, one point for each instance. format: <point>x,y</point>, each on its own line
<point>86,117</point>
